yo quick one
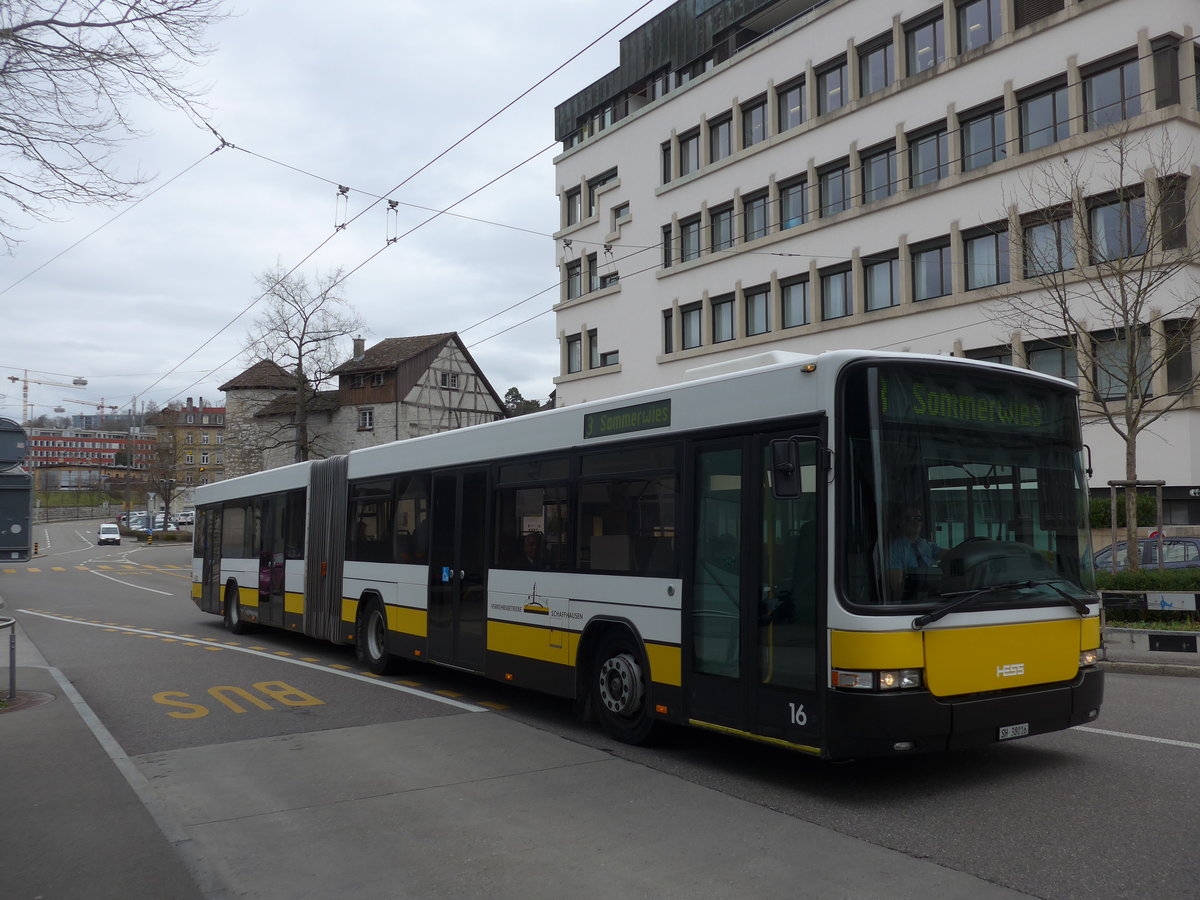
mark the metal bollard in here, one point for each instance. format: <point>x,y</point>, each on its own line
<point>12,655</point>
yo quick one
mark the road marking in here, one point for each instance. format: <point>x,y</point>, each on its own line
<point>138,586</point>
<point>331,669</point>
<point>1138,737</point>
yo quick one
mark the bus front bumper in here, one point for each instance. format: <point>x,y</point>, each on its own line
<point>879,724</point>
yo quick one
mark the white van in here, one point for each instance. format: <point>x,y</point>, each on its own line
<point>109,533</point>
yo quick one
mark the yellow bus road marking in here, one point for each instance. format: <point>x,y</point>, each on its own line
<point>490,704</point>
<point>33,570</point>
<point>292,661</point>
<point>105,568</point>
<point>57,569</point>
<point>10,571</point>
<point>409,683</point>
<point>453,694</point>
<point>339,666</point>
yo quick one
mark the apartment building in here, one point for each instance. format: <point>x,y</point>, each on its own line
<point>922,176</point>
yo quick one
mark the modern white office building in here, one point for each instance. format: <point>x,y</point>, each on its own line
<point>890,174</point>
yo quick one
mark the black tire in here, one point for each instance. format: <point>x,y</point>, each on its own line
<point>234,622</point>
<point>370,639</point>
<point>620,691</point>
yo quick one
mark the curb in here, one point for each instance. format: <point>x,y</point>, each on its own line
<point>1123,667</point>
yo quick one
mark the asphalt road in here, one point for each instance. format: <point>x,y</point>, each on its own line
<point>274,750</point>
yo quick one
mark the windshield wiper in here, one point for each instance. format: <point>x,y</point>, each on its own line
<point>965,598</point>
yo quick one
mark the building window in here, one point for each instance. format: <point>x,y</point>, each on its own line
<point>978,24</point>
<point>931,271</point>
<point>366,422</point>
<point>926,45</point>
<point>574,281</point>
<point>837,298</point>
<point>795,303</point>
<point>689,239</point>
<point>758,310</point>
<point>593,342</point>
<point>572,201</point>
<point>449,380</point>
<point>1027,11</point>
<point>690,322</point>
<point>876,68</point>
<point>1178,353</point>
<point>1044,119</point>
<point>793,105</point>
<point>929,157</point>
<point>834,187</point>
<point>1113,365</point>
<point>187,458</point>
<point>1112,96</point>
<point>204,438</point>
<point>1049,244</point>
<point>1117,228</point>
<point>985,254</point>
<point>1055,358</point>
<point>667,246</point>
<point>668,331</point>
<point>720,139</point>
<point>721,226</point>
<point>358,381</point>
<point>832,87</point>
<point>1000,355</point>
<point>879,174</point>
<point>983,139</point>
<point>754,123</point>
<point>689,153</point>
<point>881,283</point>
<point>594,189</point>
<point>666,162</point>
<point>574,354</point>
<point>204,459</point>
<point>376,381</point>
<point>754,216</point>
<point>593,272</point>
<point>722,320</point>
<point>793,204</point>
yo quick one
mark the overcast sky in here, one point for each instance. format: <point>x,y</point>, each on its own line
<point>312,95</point>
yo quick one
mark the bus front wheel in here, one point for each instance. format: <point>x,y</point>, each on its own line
<point>619,690</point>
<point>234,622</point>
<point>371,639</point>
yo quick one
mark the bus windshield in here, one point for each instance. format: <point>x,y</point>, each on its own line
<point>958,481</point>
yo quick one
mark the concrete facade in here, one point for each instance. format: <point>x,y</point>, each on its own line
<point>757,195</point>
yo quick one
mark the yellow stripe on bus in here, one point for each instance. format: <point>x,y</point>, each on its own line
<point>562,647</point>
<point>408,621</point>
<point>293,602</point>
<point>876,650</point>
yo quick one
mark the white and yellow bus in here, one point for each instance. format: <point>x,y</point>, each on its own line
<point>851,554</point>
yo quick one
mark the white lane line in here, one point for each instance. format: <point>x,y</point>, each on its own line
<point>127,584</point>
<point>1137,737</point>
<point>401,688</point>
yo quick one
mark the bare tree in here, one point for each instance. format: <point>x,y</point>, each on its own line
<point>299,331</point>
<point>1107,248</point>
<point>68,69</point>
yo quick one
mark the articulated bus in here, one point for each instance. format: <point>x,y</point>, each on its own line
<point>850,554</point>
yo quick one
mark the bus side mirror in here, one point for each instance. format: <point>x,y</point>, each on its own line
<point>790,457</point>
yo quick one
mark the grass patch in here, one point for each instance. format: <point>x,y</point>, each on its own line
<point>1186,580</point>
<point>1152,620</point>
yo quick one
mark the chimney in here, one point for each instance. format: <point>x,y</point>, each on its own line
<point>189,403</point>
<point>360,347</point>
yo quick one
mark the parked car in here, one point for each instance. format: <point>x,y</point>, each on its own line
<point>1178,553</point>
<point>186,517</point>
<point>109,533</point>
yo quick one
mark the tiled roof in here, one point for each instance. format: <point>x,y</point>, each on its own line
<point>390,352</point>
<point>263,375</point>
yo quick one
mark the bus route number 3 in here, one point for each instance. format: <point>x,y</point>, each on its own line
<point>797,713</point>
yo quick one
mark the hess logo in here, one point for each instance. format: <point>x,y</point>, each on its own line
<point>1010,670</point>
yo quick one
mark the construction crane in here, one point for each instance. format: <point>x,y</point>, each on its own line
<point>101,406</point>
<point>25,381</point>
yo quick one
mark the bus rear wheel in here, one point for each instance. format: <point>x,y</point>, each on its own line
<point>371,640</point>
<point>619,690</point>
<point>234,623</point>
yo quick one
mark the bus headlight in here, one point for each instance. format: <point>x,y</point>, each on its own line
<point>886,680</point>
<point>898,679</point>
<point>1089,658</point>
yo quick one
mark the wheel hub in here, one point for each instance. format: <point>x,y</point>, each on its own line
<point>621,688</point>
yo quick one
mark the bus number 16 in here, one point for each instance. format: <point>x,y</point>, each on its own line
<point>799,716</point>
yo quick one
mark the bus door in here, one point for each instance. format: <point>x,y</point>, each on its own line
<point>208,548</point>
<point>271,559</point>
<point>458,569</point>
<point>753,606</point>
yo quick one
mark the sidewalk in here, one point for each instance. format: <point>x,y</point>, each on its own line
<point>1132,651</point>
<point>70,823</point>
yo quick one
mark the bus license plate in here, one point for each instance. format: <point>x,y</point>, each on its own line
<point>1013,731</point>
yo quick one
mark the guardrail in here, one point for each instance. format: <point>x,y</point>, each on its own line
<point>10,623</point>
